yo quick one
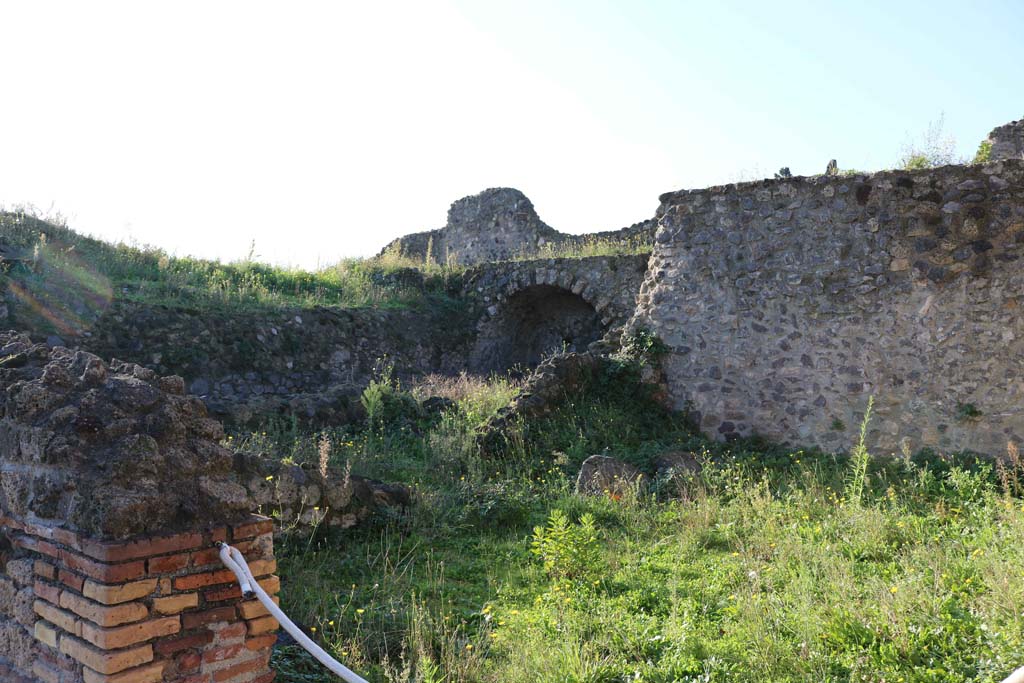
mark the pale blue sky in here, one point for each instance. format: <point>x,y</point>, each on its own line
<point>323,130</point>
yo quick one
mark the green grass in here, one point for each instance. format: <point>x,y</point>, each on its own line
<point>589,246</point>
<point>759,569</point>
<point>71,276</point>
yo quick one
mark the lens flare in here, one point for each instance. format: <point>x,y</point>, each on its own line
<point>64,290</point>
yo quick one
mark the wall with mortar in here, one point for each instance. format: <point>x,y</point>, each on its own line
<point>114,488</point>
<point>787,303</point>
<point>497,225</point>
<point>525,302</point>
<point>609,283</point>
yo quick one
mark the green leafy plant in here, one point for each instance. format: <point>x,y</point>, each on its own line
<point>643,346</point>
<point>568,551</point>
<point>767,549</point>
<point>385,402</point>
<point>984,153</point>
<point>967,411</point>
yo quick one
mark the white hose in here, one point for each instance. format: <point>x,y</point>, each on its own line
<point>234,561</point>
<point>1016,677</point>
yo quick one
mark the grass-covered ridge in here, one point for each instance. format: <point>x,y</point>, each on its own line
<point>64,269</point>
<point>62,281</point>
<point>771,565</point>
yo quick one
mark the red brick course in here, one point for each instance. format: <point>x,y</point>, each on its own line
<point>151,610</point>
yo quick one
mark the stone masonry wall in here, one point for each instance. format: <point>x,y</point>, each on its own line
<point>530,308</point>
<point>309,362</point>
<point>107,450</point>
<point>114,489</point>
<point>787,303</point>
<point>314,363</point>
<point>497,225</point>
<point>1007,141</point>
<point>609,283</point>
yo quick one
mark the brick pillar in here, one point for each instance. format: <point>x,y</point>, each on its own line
<point>155,609</point>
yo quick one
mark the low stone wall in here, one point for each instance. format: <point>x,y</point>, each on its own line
<point>314,363</point>
<point>300,495</point>
<point>311,363</point>
<point>785,304</point>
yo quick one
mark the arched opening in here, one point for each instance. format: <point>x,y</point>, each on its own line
<point>533,323</point>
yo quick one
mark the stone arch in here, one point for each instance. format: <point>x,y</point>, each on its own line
<point>536,313</point>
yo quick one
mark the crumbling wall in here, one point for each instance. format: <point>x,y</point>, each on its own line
<point>248,365</point>
<point>787,303</point>
<point>501,224</point>
<point>114,489</point>
<point>302,495</point>
<point>109,451</point>
<point>1007,141</point>
<point>311,363</point>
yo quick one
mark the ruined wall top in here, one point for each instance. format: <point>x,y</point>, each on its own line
<point>497,225</point>
<point>109,450</point>
<point>1007,141</point>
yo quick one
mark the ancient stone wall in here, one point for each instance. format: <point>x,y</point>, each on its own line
<point>108,451</point>
<point>532,308</point>
<point>312,363</point>
<point>785,304</point>
<point>114,489</point>
<point>501,224</point>
<point>1007,141</point>
<point>303,495</point>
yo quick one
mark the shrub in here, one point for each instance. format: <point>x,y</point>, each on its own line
<point>984,153</point>
<point>643,346</point>
<point>386,404</point>
<point>568,551</point>
<point>934,148</point>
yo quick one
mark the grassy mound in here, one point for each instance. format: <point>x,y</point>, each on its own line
<point>67,279</point>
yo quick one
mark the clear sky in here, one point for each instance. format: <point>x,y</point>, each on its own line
<point>325,129</point>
